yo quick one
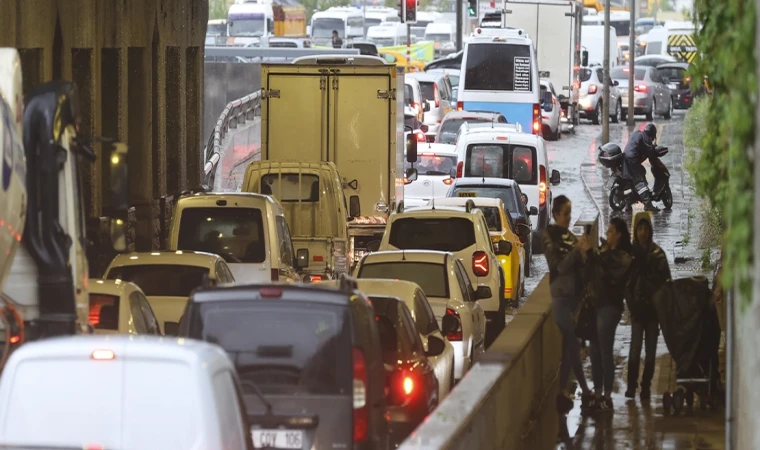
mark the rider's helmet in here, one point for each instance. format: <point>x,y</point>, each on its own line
<point>651,131</point>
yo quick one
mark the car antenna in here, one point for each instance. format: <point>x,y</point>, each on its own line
<point>432,200</point>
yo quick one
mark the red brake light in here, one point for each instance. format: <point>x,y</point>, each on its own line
<point>361,413</point>
<point>407,181</point>
<point>536,118</point>
<point>15,339</point>
<point>460,169</point>
<point>448,181</point>
<point>460,106</point>
<point>420,136</point>
<point>408,385</point>
<point>542,187</point>
<point>271,292</point>
<point>592,89</point>
<point>641,88</point>
<point>480,263</point>
<point>315,278</point>
<point>457,335</point>
<point>102,355</point>
<point>318,258</point>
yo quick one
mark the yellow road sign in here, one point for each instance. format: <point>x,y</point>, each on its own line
<point>682,47</point>
<point>467,194</point>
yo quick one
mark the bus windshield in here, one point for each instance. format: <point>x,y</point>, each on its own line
<point>323,28</point>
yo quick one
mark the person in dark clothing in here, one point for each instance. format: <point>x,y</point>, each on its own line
<point>639,148</point>
<point>649,271</point>
<point>614,261</point>
<point>565,255</point>
<point>337,42</point>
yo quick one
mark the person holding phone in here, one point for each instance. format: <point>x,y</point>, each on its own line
<point>565,255</point>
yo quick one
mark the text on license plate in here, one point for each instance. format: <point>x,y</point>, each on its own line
<point>284,439</point>
<point>467,194</point>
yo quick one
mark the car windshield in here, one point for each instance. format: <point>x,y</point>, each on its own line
<point>517,162</point>
<point>290,187</point>
<point>431,277</point>
<point>449,234</point>
<point>162,280</point>
<point>621,73</point>
<point>438,37</point>
<point>323,28</point>
<point>235,234</point>
<point>104,312</point>
<point>434,165</point>
<point>383,41</point>
<point>247,27</point>
<point>622,27</point>
<point>427,89</point>
<point>504,193</point>
<point>450,128</point>
<point>283,347</point>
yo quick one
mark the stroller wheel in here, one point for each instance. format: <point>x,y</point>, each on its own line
<point>667,402</point>
<point>678,399</point>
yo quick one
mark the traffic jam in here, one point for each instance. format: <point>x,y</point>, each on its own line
<point>333,300</point>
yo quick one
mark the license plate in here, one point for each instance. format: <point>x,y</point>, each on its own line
<point>467,194</point>
<point>280,439</point>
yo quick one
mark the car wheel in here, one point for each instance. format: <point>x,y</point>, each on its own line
<point>616,116</point>
<point>623,114</point>
<point>597,113</point>
<point>559,131</point>
<point>669,112</point>
<point>653,111</point>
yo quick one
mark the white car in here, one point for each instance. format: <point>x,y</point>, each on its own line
<point>168,278</point>
<point>424,319</point>
<point>550,112</point>
<point>447,287</point>
<point>464,232</point>
<point>120,307</point>
<point>436,165</point>
<point>125,392</point>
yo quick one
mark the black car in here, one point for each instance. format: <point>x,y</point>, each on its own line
<point>411,385</point>
<point>309,359</point>
<point>679,83</point>
<point>516,203</point>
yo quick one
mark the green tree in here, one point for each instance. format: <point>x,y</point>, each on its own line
<point>217,9</point>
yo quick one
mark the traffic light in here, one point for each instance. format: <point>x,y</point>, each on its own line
<point>410,15</point>
<point>472,9</point>
<point>401,10</point>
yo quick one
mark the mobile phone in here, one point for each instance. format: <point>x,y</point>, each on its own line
<point>588,230</point>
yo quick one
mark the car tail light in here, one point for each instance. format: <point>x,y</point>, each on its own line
<point>448,181</point>
<point>271,292</point>
<point>275,274</point>
<point>592,89</point>
<point>542,187</point>
<point>480,263</point>
<point>460,106</point>
<point>315,278</point>
<point>460,169</point>
<point>420,136</point>
<point>361,413</point>
<point>457,335</point>
<point>407,385</point>
<point>641,88</point>
<point>407,181</point>
<point>536,118</point>
<point>102,355</point>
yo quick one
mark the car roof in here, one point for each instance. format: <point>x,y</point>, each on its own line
<point>206,199</point>
<point>309,293</point>
<point>447,211</point>
<point>671,65</point>
<point>461,201</point>
<point>176,258</point>
<point>487,134</point>
<point>436,148</point>
<point>480,181</point>
<point>111,287</point>
<point>401,256</point>
<point>425,76</point>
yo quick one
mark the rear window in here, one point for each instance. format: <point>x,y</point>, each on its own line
<point>504,193</point>
<point>427,90</point>
<point>450,128</point>
<point>282,347</point>
<point>104,312</point>
<point>290,187</point>
<point>493,218</point>
<point>434,165</point>
<point>620,73</point>
<point>498,67</point>
<point>430,277</point>
<point>235,234</point>
<point>408,94</point>
<point>517,162</point>
<point>392,339</point>
<point>162,280</point>
<point>675,74</point>
<point>449,234</point>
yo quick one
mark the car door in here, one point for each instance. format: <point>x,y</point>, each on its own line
<point>659,89</point>
<point>476,311</point>
<point>427,327</point>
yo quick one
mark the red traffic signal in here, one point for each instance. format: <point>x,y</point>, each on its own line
<point>410,11</point>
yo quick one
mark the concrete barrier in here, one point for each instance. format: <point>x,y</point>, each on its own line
<point>507,400</point>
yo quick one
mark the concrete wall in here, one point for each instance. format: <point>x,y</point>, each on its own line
<point>138,65</point>
<point>506,401</point>
<point>223,83</point>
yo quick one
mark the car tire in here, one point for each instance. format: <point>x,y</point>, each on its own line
<point>669,114</point>
<point>616,116</point>
<point>597,114</point>
<point>653,111</point>
<point>623,115</point>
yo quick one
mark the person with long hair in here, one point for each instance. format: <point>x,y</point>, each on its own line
<point>613,262</point>
<point>565,255</point>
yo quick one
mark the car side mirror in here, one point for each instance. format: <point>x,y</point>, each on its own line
<point>533,211</point>
<point>449,325</point>
<point>426,107</point>
<point>503,248</point>
<point>171,328</point>
<point>424,128</point>
<point>302,258</point>
<point>616,83</point>
<point>483,292</point>
<point>584,58</point>
<point>373,246</point>
<point>435,346</point>
<point>411,174</point>
<point>411,148</point>
<point>555,179</point>
<point>354,209</point>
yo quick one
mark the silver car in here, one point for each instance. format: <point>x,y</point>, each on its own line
<point>652,95</point>
<point>592,88</point>
<point>436,99</point>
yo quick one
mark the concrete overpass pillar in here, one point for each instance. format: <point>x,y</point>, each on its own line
<point>138,65</point>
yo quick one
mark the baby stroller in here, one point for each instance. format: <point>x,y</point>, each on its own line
<point>691,330</point>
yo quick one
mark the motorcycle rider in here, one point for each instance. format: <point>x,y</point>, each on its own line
<point>640,147</point>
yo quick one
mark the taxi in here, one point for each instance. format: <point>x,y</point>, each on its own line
<point>394,57</point>
<point>500,227</point>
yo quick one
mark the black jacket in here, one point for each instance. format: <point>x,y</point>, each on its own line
<point>637,150</point>
<point>564,260</point>
<point>612,269</point>
<point>649,272</point>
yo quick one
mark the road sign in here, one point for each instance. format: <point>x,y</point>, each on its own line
<point>682,47</point>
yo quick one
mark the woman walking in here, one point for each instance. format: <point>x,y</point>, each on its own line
<point>565,255</point>
<point>613,261</point>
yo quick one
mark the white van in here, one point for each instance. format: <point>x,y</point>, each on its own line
<point>388,35</point>
<point>122,392</point>
<point>501,153</point>
<point>677,42</point>
<point>500,74</point>
<point>592,40</point>
<point>380,15</point>
<point>347,21</point>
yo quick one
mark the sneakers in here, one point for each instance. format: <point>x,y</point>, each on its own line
<point>650,207</point>
<point>630,393</point>
<point>645,395</point>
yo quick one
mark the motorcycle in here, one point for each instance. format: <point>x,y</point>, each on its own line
<point>622,191</point>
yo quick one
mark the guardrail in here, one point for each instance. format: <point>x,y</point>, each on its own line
<point>268,52</point>
<point>235,114</point>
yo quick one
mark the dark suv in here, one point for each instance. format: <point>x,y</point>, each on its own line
<point>309,359</point>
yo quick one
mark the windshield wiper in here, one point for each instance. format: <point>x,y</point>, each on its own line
<point>253,384</point>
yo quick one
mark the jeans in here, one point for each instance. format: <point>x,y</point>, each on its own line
<point>601,349</point>
<point>563,309</point>
<point>648,331</point>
